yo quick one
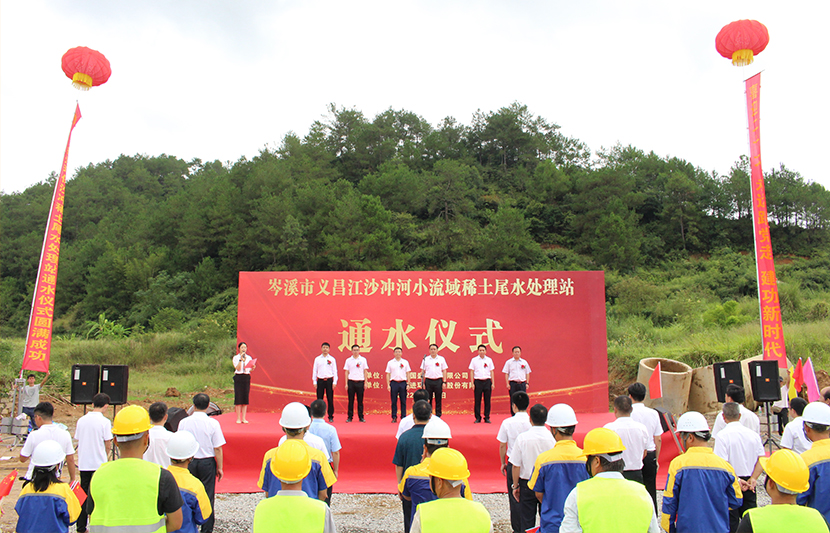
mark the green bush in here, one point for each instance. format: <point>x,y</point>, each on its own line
<point>167,319</point>
<point>726,315</point>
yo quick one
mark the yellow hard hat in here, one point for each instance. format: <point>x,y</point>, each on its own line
<point>600,441</point>
<point>788,469</point>
<point>131,420</point>
<point>447,463</point>
<point>291,463</point>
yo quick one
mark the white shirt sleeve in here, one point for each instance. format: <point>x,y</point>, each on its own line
<point>416,522</point>
<point>787,440</point>
<point>720,423</point>
<point>570,522</point>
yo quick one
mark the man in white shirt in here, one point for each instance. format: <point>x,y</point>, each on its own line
<point>434,372</point>
<point>526,449</point>
<point>509,430</point>
<point>324,377</point>
<point>516,374</point>
<point>481,378</point>
<point>357,372</point>
<point>741,447</point>
<point>735,393</point>
<point>30,397</point>
<point>94,435</point>
<point>634,436</point>
<point>46,430</point>
<point>397,369</point>
<point>409,420</point>
<point>159,436</point>
<point>650,418</point>
<point>794,437</point>
<point>207,464</point>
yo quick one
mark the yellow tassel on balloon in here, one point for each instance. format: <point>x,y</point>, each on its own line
<point>742,58</point>
<point>84,81</point>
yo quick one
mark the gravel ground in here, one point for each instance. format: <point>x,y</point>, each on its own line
<point>366,513</point>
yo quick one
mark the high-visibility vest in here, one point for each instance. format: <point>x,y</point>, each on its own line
<point>778,518</point>
<point>458,515</point>
<point>294,514</point>
<point>126,494</point>
<point>608,504</point>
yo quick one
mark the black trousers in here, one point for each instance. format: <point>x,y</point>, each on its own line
<point>205,471</point>
<point>326,386</point>
<point>356,389</point>
<point>435,389</point>
<point>649,472</point>
<point>783,419</point>
<point>750,502</point>
<point>83,518</point>
<point>528,504</point>
<point>398,394</point>
<point>482,387</point>
<point>407,514</point>
<point>634,475</point>
<point>515,386</point>
<point>515,513</point>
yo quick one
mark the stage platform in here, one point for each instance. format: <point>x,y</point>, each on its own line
<point>366,458</point>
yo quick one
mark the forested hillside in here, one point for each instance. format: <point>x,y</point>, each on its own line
<point>155,242</point>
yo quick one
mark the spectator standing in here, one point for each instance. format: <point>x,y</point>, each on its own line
<point>794,437</point>
<point>207,464</point>
<point>46,430</point>
<point>528,446</point>
<point>196,508</point>
<point>159,436</point>
<point>481,378</point>
<point>509,430</point>
<point>328,433</point>
<point>46,503</point>
<point>735,393</point>
<point>650,418</point>
<point>94,435</point>
<point>30,397</point>
<point>635,438</point>
<point>397,370</point>
<point>434,373</point>
<point>357,372</point>
<point>516,374</point>
<point>409,420</point>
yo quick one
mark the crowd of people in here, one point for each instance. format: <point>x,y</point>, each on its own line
<point>165,481</point>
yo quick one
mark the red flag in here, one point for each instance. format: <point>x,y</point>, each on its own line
<point>798,376</point>
<point>655,383</point>
<point>79,492</point>
<point>6,484</point>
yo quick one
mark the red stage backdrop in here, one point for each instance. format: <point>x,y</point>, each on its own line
<point>558,318</point>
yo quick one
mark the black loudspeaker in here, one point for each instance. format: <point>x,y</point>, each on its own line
<point>763,375</point>
<point>727,374</point>
<point>84,383</point>
<point>114,380</point>
<point>174,416</point>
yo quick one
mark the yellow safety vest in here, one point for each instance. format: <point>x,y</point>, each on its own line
<point>457,515</point>
<point>778,518</point>
<point>126,494</point>
<point>290,514</point>
<point>618,505</point>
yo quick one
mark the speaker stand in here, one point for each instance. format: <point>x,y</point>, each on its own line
<point>769,440</point>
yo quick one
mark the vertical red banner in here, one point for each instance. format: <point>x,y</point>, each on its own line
<point>771,327</point>
<point>39,335</point>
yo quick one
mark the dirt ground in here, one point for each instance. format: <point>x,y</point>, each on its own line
<point>68,414</point>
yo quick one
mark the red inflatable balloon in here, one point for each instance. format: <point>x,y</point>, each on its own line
<point>85,67</point>
<point>741,40</point>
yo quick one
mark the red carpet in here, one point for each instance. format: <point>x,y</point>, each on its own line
<point>366,458</point>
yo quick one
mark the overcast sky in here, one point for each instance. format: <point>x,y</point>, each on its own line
<point>222,80</point>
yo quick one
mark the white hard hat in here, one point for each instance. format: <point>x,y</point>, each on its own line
<point>692,422</point>
<point>817,413</point>
<point>561,415</point>
<point>437,430</point>
<point>182,445</point>
<point>295,416</point>
<point>48,453</point>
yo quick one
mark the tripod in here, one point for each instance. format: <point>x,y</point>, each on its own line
<point>769,440</point>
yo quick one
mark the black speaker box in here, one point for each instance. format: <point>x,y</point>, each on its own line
<point>763,375</point>
<point>174,416</point>
<point>84,383</point>
<point>727,374</point>
<point>114,379</point>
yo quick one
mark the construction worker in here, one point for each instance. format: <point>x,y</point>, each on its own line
<point>558,470</point>
<point>414,485</point>
<point>701,487</point>
<point>46,503</point>
<point>181,448</point>
<point>447,470</point>
<point>291,509</point>
<point>817,427</point>
<point>607,501</point>
<point>94,435</point>
<point>740,447</point>
<point>295,421</point>
<point>787,476</point>
<point>131,494</point>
